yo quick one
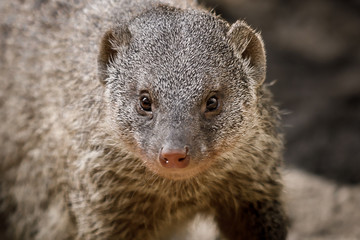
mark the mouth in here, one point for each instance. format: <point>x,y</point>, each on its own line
<point>193,170</point>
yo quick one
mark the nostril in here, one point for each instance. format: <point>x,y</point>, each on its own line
<point>174,158</point>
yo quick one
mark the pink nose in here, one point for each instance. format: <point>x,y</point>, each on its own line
<point>174,158</point>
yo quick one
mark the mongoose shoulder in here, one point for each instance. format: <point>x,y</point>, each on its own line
<point>124,119</point>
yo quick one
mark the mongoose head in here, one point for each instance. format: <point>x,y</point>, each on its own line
<point>181,87</point>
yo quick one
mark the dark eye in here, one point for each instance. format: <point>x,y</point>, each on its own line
<point>145,103</point>
<point>212,104</point>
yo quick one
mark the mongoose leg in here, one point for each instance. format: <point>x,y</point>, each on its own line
<point>256,221</point>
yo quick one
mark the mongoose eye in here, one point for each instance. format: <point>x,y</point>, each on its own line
<point>145,103</point>
<point>212,104</point>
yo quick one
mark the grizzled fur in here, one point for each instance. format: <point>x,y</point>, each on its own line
<point>79,159</point>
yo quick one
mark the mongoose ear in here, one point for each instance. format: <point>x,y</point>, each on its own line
<point>248,44</point>
<point>111,43</point>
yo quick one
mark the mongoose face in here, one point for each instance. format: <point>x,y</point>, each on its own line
<point>179,94</point>
<point>180,126</point>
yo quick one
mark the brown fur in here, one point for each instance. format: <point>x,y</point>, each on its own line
<point>71,167</point>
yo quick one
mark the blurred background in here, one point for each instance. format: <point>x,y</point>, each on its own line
<point>313,53</point>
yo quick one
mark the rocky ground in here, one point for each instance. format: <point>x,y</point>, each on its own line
<point>321,209</point>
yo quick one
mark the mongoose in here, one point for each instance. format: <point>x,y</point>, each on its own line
<point>124,119</point>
